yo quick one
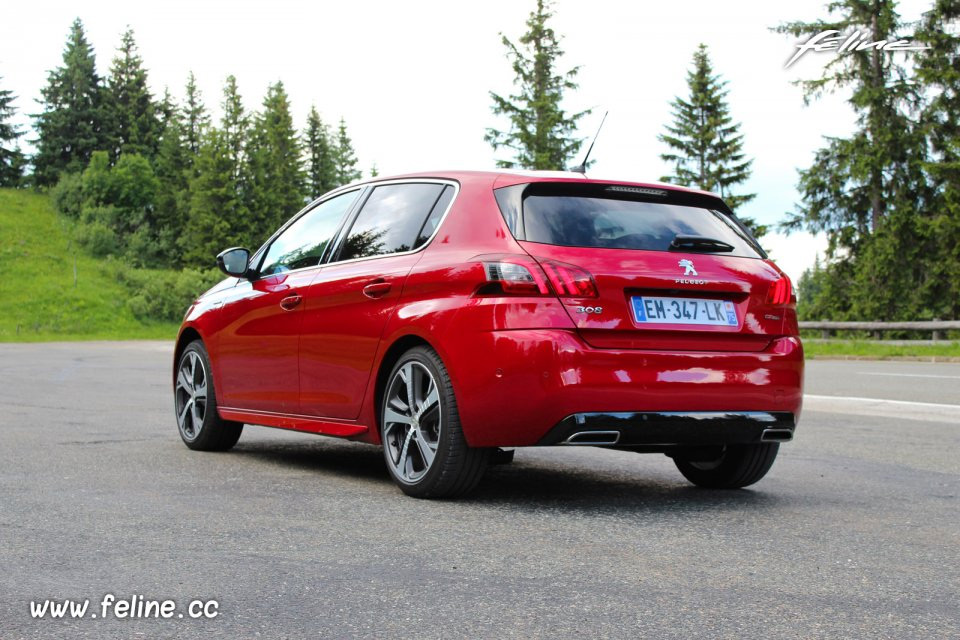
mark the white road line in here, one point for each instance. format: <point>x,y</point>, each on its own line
<point>884,408</point>
<point>907,375</point>
<point>903,403</point>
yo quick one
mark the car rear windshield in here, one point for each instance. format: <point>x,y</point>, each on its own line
<point>607,223</point>
<point>624,223</point>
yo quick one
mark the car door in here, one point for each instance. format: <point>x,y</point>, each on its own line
<point>257,351</point>
<point>348,303</point>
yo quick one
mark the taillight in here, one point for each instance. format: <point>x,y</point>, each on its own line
<point>570,281</point>
<point>514,279</point>
<point>509,274</point>
<point>781,292</point>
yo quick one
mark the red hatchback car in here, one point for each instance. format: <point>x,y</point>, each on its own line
<point>450,314</point>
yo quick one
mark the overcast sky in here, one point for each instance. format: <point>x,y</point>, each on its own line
<point>412,78</point>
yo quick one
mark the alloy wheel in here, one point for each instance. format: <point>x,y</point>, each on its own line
<point>411,421</point>
<point>191,395</point>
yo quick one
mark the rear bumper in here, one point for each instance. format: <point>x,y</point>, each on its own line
<point>519,387</point>
<point>666,429</point>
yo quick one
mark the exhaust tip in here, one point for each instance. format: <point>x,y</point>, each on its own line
<point>776,435</point>
<point>593,438</point>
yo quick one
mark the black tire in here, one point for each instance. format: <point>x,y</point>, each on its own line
<point>738,466</point>
<point>211,433</point>
<point>455,468</point>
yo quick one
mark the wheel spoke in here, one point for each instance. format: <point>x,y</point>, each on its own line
<point>409,377</point>
<point>393,445</point>
<point>426,452</point>
<point>390,415</point>
<point>195,419</point>
<point>183,412</point>
<point>183,382</point>
<point>200,391</point>
<point>432,398</point>
<point>405,455</point>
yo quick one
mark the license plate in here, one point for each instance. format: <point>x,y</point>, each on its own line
<point>660,310</point>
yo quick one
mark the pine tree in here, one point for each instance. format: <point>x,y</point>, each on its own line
<point>541,133</point>
<point>217,216</point>
<point>706,145</point>
<point>166,108</point>
<point>345,157</point>
<point>938,71</point>
<point>868,191</point>
<point>174,168</point>
<point>134,125</point>
<point>273,151</point>
<point>319,156</point>
<point>879,92</point>
<point>195,116</point>
<point>11,159</point>
<point>234,125</point>
<point>71,126</point>
<point>220,187</point>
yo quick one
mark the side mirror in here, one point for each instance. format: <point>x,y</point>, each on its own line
<point>234,262</point>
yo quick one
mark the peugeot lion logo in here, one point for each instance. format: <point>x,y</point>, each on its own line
<point>689,270</point>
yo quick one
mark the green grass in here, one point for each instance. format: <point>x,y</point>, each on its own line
<point>39,299</point>
<point>880,350</point>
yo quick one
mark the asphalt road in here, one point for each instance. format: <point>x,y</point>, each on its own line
<point>854,533</point>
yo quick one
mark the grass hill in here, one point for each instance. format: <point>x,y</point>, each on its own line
<point>52,290</point>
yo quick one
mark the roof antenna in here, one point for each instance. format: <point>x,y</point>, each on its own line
<point>582,167</point>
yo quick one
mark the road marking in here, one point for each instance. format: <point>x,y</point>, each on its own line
<point>907,375</point>
<point>904,403</point>
<point>884,408</point>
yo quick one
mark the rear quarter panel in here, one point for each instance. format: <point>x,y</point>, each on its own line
<point>442,282</point>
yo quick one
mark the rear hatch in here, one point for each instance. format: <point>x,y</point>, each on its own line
<point>671,270</point>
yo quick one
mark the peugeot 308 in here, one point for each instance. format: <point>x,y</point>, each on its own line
<point>450,315</point>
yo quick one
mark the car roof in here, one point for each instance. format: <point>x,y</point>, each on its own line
<point>508,177</point>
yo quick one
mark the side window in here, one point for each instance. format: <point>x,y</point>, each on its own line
<point>434,218</point>
<point>303,242</point>
<point>390,220</point>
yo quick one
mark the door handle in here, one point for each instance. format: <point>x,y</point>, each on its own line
<point>376,289</point>
<point>291,302</point>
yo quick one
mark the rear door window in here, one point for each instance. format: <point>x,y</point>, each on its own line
<point>391,220</point>
<point>433,220</point>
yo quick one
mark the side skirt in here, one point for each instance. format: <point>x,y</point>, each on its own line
<point>308,424</point>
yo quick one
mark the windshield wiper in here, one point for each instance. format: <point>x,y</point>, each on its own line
<point>699,243</point>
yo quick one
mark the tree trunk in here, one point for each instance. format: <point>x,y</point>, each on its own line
<point>876,174</point>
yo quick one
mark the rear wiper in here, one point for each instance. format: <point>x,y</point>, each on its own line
<point>699,243</point>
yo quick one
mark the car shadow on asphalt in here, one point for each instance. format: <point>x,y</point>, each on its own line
<point>597,493</point>
<point>325,455</point>
<point>525,483</point>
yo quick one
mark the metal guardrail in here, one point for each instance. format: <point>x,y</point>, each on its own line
<point>936,327</point>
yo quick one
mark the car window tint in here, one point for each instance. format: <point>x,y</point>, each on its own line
<point>390,220</point>
<point>302,244</point>
<point>611,223</point>
<point>435,216</point>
